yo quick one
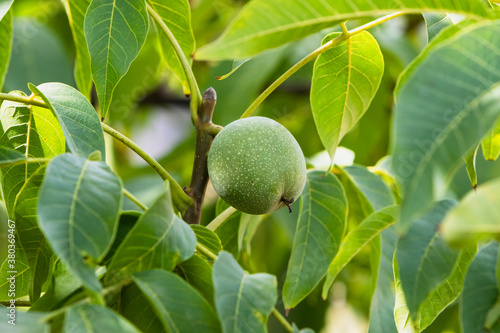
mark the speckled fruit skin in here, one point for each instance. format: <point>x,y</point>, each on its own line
<point>254,163</point>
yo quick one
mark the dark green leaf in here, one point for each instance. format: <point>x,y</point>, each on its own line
<point>75,9</point>
<point>10,156</point>
<point>135,306</point>
<point>424,259</point>
<point>480,291</point>
<point>165,290</point>
<point>127,221</point>
<point>439,118</point>
<point>263,24</point>
<point>77,117</point>
<point>159,239</point>
<point>243,301</point>
<point>177,16</point>
<point>115,31</point>
<point>207,238</point>
<point>78,209</point>
<point>198,273</point>
<point>320,228</point>
<point>345,80</point>
<point>87,318</point>
<point>370,228</point>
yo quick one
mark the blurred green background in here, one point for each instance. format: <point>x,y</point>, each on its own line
<point>149,107</point>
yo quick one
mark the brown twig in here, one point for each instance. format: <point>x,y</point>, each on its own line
<point>205,133</point>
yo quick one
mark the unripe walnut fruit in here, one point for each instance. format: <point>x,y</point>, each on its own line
<point>256,165</point>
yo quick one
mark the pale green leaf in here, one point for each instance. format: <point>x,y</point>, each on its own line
<point>5,43</point>
<point>354,242</point>
<point>383,300</point>
<point>165,291</point>
<point>115,31</point>
<point>345,80</point>
<point>25,322</point>
<point>424,259</point>
<point>77,117</point>
<point>319,232</point>
<point>236,64</point>
<point>476,217</point>
<point>159,239</point>
<point>93,318</point>
<point>435,23</point>
<point>439,118</point>
<point>243,301</point>
<point>78,208</point>
<point>470,166</point>
<point>176,14</point>
<point>480,291</point>
<point>491,144</point>
<point>38,251</point>
<point>75,9</point>
<point>264,24</point>
<point>32,131</point>
<point>17,269</point>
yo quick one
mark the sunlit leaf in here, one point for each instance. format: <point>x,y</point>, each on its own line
<point>435,23</point>
<point>345,80</point>
<point>320,228</point>
<point>264,24</point>
<point>491,144</point>
<point>115,31</point>
<point>243,301</point>
<point>470,166</point>
<point>78,208</point>
<point>441,117</point>
<point>5,41</point>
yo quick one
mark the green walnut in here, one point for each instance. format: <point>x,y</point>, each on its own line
<point>257,166</point>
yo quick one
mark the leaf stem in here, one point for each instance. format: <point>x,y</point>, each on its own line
<point>219,219</point>
<point>180,199</point>
<point>323,48</point>
<point>21,99</point>
<point>282,320</point>
<point>134,199</point>
<point>193,85</point>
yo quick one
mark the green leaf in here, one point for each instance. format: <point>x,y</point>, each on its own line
<point>177,16</point>
<point>78,208</point>
<point>115,31</point>
<point>75,9</point>
<point>247,228</point>
<point>470,165</point>
<point>33,132</point>
<point>228,231</point>
<point>476,217</point>
<point>263,24</point>
<point>435,23</point>
<point>480,291</point>
<point>4,7</point>
<point>136,307</point>
<point>77,117</point>
<point>448,291</point>
<point>16,268</point>
<point>159,239</point>
<point>9,156</point>
<point>127,221</point>
<point>207,238</point>
<point>95,318</point>
<point>38,251</point>
<point>243,301</point>
<point>24,322</point>
<point>491,144</point>
<point>383,300</point>
<point>63,285</point>
<point>5,43</point>
<point>354,242</point>
<point>401,311</point>
<point>320,228</point>
<point>435,127</point>
<point>424,259</point>
<point>198,273</point>
<point>164,290</point>
<point>345,80</point>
